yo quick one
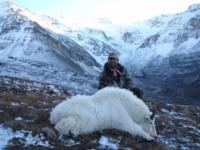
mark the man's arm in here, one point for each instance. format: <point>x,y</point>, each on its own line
<point>104,80</point>
<point>129,80</point>
<point>132,87</point>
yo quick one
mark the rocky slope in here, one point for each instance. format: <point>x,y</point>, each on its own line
<point>180,83</point>
<point>24,125</point>
<point>31,52</point>
<point>161,53</point>
<point>43,61</point>
<point>21,37</point>
<point>168,60</point>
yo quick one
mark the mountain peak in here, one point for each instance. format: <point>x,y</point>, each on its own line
<point>7,7</point>
<point>4,6</point>
<point>194,7</point>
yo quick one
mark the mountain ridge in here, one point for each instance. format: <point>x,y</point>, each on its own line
<point>143,47</point>
<point>30,88</point>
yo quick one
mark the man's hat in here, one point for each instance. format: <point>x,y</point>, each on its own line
<point>113,55</point>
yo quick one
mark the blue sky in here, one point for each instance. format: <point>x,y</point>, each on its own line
<point>118,10</point>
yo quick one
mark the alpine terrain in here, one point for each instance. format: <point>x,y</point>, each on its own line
<point>43,60</point>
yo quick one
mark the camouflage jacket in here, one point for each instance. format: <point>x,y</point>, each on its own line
<point>123,80</point>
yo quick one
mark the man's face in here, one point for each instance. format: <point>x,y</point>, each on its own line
<point>112,61</point>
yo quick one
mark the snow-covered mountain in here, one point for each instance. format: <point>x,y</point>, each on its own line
<point>30,51</point>
<point>43,60</point>
<point>23,38</point>
<point>161,53</point>
<point>169,58</point>
<point>170,35</point>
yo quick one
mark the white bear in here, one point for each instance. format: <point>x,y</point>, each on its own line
<point>108,108</point>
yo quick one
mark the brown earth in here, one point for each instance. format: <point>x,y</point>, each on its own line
<point>178,126</point>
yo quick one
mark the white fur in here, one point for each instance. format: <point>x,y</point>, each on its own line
<point>109,108</point>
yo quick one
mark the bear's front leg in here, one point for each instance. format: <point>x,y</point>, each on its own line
<point>134,129</point>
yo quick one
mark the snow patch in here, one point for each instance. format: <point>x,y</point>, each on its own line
<point>19,118</point>
<point>15,104</point>
<point>7,134</point>
<point>108,143</point>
